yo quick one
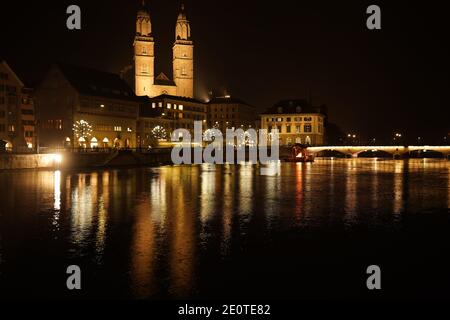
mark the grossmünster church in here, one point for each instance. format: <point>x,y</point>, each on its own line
<point>146,83</point>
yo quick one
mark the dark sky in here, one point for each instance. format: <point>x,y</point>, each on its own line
<point>373,82</point>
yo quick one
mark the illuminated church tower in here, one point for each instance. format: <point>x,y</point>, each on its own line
<point>183,57</point>
<point>144,57</point>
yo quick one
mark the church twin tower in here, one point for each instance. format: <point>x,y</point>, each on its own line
<point>144,57</point>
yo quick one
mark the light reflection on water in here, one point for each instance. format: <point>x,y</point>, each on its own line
<point>166,224</point>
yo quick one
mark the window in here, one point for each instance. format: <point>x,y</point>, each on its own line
<point>160,104</point>
<point>288,129</point>
<point>27,112</point>
<point>153,105</point>
<point>297,129</point>
<point>169,106</point>
<point>279,129</point>
<point>308,119</point>
<point>117,128</point>
<point>308,128</point>
<point>288,119</point>
<point>11,128</point>
<point>279,119</point>
<point>180,107</point>
<point>29,134</point>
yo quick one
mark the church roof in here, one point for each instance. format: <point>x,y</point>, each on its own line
<point>97,83</point>
<point>163,80</point>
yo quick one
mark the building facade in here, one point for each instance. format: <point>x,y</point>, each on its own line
<point>17,120</point>
<point>163,114</point>
<point>85,108</point>
<point>146,84</point>
<point>297,121</point>
<point>228,113</point>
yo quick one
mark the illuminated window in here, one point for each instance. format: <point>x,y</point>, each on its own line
<point>117,128</point>
<point>169,106</point>
<point>297,129</point>
<point>307,128</point>
<point>180,107</point>
<point>153,105</point>
<point>160,104</point>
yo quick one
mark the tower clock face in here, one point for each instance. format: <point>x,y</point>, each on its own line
<point>224,159</point>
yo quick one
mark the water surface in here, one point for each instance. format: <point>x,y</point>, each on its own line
<point>228,232</point>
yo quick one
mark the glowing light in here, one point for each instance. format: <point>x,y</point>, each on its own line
<point>57,158</point>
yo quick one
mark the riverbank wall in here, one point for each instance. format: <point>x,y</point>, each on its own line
<point>70,160</point>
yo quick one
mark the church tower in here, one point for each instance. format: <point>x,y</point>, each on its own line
<point>183,57</point>
<point>144,56</point>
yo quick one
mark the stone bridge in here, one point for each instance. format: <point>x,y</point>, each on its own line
<point>396,151</point>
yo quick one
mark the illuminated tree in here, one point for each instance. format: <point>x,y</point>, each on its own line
<point>82,129</point>
<point>159,133</point>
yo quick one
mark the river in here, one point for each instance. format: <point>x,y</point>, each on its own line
<point>227,231</point>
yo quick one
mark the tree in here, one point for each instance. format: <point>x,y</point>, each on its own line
<point>159,133</point>
<point>82,129</point>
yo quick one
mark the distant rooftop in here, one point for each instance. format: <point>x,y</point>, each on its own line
<point>167,96</point>
<point>97,83</point>
<point>295,106</point>
<point>227,100</point>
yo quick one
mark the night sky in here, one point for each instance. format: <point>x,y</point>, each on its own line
<point>374,83</point>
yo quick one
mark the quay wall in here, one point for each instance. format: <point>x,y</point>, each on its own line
<point>68,160</point>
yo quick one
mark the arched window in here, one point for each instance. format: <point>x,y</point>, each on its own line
<point>94,143</point>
